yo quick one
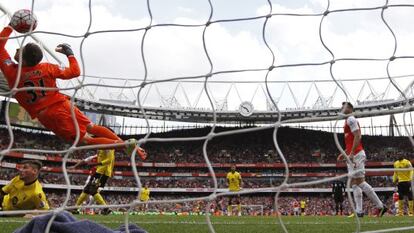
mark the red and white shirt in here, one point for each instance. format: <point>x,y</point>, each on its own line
<point>295,204</point>
<point>351,126</point>
<point>395,197</point>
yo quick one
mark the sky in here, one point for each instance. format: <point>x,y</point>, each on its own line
<point>178,51</point>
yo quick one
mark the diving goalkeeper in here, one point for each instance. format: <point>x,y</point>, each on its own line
<point>50,107</point>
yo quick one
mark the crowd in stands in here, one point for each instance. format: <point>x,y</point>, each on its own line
<point>188,182</point>
<point>315,204</point>
<point>297,145</point>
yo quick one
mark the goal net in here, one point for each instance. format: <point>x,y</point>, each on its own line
<point>329,18</point>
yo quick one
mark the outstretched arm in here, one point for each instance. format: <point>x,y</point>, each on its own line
<point>83,162</point>
<point>70,72</point>
<point>2,194</point>
<point>80,163</point>
<point>6,64</point>
<point>4,37</point>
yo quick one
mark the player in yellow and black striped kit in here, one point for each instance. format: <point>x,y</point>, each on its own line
<point>24,191</point>
<point>403,178</point>
<point>104,161</point>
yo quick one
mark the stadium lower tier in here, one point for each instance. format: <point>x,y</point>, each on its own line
<point>257,204</point>
<point>7,174</point>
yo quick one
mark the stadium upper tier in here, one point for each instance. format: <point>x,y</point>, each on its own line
<point>322,107</point>
<point>297,145</point>
<point>258,117</point>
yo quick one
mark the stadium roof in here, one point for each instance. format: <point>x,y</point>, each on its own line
<point>303,83</point>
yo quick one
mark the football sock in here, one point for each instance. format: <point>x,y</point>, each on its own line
<point>239,208</point>
<point>81,198</point>
<point>101,131</point>
<point>99,199</point>
<point>229,209</point>
<point>401,207</point>
<point>369,191</point>
<point>97,141</point>
<point>358,198</point>
<point>410,206</point>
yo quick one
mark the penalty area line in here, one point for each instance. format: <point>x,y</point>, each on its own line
<point>223,222</point>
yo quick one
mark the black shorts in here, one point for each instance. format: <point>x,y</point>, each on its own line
<point>234,197</point>
<point>94,182</point>
<point>338,198</point>
<point>404,189</point>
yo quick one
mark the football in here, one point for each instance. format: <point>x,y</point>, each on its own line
<point>22,21</point>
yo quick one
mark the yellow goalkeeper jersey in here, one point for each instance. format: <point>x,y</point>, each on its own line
<point>402,176</point>
<point>107,160</point>
<point>24,197</point>
<point>145,194</point>
<point>234,181</point>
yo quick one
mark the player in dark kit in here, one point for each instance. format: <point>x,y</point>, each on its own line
<point>338,190</point>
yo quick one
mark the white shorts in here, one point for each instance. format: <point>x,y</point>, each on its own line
<point>358,163</point>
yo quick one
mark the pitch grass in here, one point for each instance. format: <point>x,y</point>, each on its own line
<point>197,224</point>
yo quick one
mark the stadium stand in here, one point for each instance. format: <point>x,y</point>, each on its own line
<point>311,154</point>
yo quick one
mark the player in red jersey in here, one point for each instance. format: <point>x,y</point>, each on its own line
<point>50,107</point>
<point>295,205</point>
<point>395,199</point>
<point>357,157</point>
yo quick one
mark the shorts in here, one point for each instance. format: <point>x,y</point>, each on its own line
<point>94,182</point>
<point>58,119</point>
<point>358,163</point>
<point>338,198</point>
<point>404,190</point>
<point>234,197</point>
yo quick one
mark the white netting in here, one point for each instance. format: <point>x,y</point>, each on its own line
<point>267,68</point>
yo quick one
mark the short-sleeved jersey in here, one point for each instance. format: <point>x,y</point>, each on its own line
<point>24,197</point>
<point>234,181</point>
<point>145,194</point>
<point>303,204</point>
<point>40,75</point>
<point>106,160</point>
<point>402,176</point>
<point>351,126</point>
<point>295,204</point>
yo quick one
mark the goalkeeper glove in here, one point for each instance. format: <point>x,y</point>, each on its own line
<point>65,49</point>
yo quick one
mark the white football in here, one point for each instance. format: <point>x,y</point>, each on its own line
<point>23,20</point>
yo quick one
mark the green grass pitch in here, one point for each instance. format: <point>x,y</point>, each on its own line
<point>184,224</point>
